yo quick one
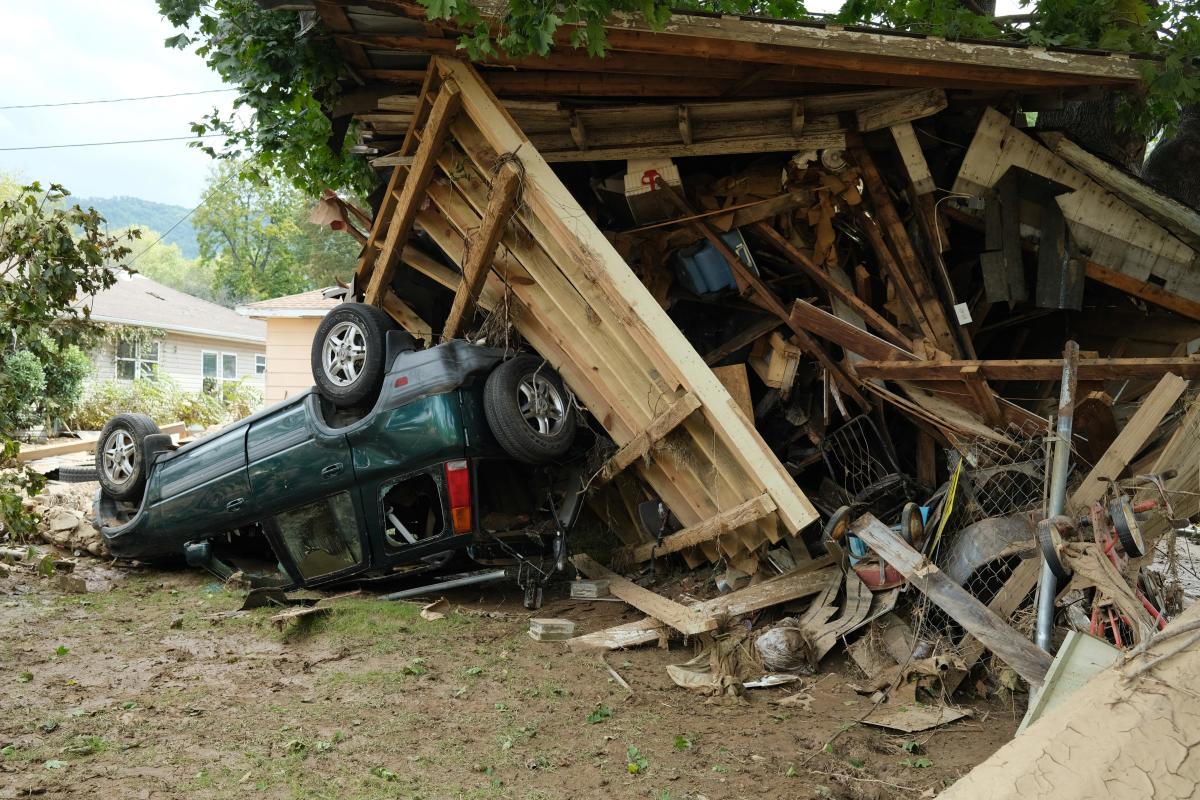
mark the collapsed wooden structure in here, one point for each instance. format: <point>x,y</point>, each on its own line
<point>789,268</point>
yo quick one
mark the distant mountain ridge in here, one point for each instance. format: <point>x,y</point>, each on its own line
<point>123,211</point>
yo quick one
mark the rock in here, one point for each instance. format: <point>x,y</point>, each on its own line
<point>70,583</point>
<point>63,519</point>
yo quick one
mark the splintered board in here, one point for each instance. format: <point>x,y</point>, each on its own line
<point>573,298</point>
<point>1112,233</point>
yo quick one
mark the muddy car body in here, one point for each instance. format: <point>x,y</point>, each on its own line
<point>332,494</point>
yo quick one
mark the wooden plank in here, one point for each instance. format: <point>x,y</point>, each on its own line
<point>906,255</point>
<point>825,325</point>
<point>901,111</point>
<point>883,254</point>
<point>1029,369</point>
<point>1020,583</point>
<point>408,204</point>
<point>1129,441</point>
<point>742,338</point>
<point>984,399</point>
<point>691,536</point>
<point>630,634</point>
<point>639,446</point>
<point>33,453</point>
<point>408,319</point>
<point>823,279</point>
<point>1149,292</point>
<point>1027,659</point>
<point>482,248</point>
<point>913,158</point>
<point>688,621</point>
<point>806,582</point>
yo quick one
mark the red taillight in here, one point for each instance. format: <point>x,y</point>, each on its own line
<point>458,487</point>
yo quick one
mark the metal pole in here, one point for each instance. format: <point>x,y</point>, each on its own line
<point>1060,469</point>
<point>467,580</point>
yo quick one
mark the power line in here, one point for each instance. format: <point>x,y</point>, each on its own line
<point>116,99</point>
<point>182,219</point>
<point>100,144</point>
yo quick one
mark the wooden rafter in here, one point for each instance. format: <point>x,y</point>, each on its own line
<point>1029,369</point>
<point>639,446</point>
<point>408,203</point>
<point>748,512</point>
<point>482,247</point>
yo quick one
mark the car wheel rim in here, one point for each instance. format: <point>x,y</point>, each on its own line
<point>120,457</point>
<point>344,353</point>
<point>541,404</point>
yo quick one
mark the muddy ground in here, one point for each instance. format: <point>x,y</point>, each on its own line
<point>144,688</point>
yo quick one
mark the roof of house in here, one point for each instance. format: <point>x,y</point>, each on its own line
<point>696,55</point>
<point>137,300</point>
<point>305,304</point>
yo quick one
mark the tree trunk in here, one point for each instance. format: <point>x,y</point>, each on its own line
<point>1092,125</point>
<point>1173,167</point>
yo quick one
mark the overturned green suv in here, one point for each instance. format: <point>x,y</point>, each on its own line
<point>398,461</point>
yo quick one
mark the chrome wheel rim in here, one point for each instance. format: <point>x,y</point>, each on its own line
<point>541,404</point>
<point>120,456</point>
<point>344,353</point>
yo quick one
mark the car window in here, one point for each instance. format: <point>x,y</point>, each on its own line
<point>322,538</point>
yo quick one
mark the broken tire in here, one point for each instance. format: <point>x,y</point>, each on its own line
<point>529,411</point>
<point>1049,541</point>
<point>1129,532</point>
<point>81,474</point>
<point>911,525</point>
<point>348,353</point>
<point>120,461</point>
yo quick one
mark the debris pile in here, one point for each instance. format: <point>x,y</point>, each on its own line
<point>881,376</point>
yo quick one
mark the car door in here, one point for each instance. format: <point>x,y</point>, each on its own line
<point>320,540</point>
<point>291,460</point>
<point>205,488</point>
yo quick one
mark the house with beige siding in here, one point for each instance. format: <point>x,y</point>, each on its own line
<point>198,344</point>
<point>291,324</point>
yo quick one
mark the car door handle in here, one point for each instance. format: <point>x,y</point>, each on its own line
<point>235,504</point>
<point>332,470</point>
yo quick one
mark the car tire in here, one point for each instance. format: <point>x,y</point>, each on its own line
<point>79,474</point>
<point>529,410</point>
<point>348,353</point>
<point>120,460</point>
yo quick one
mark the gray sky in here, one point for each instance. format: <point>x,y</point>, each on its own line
<point>55,51</point>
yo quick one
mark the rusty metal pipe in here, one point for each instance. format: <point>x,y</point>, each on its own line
<point>1060,469</point>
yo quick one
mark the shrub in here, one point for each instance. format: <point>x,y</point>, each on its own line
<point>22,385</point>
<point>164,402</point>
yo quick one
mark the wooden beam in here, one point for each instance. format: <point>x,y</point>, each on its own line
<point>901,111</point>
<point>1027,659</point>
<point>688,621</point>
<point>639,446</point>
<point>691,536</point>
<point>630,634</point>
<point>984,399</point>
<point>914,159</point>
<point>33,453</point>
<point>930,304</point>
<point>804,582</point>
<point>745,336</point>
<point>408,319</point>
<point>1142,289</point>
<point>482,247</point>
<point>1129,441</point>
<point>1020,583</point>
<point>848,337</point>
<point>823,279</point>
<point>445,107</point>
<point>1029,369</point>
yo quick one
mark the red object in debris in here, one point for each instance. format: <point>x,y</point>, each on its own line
<point>870,575</point>
<point>650,178</point>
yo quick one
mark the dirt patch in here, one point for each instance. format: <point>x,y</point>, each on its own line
<point>156,689</point>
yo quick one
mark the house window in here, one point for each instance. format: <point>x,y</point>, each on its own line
<point>260,364</point>
<point>216,368</point>
<point>137,360</point>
